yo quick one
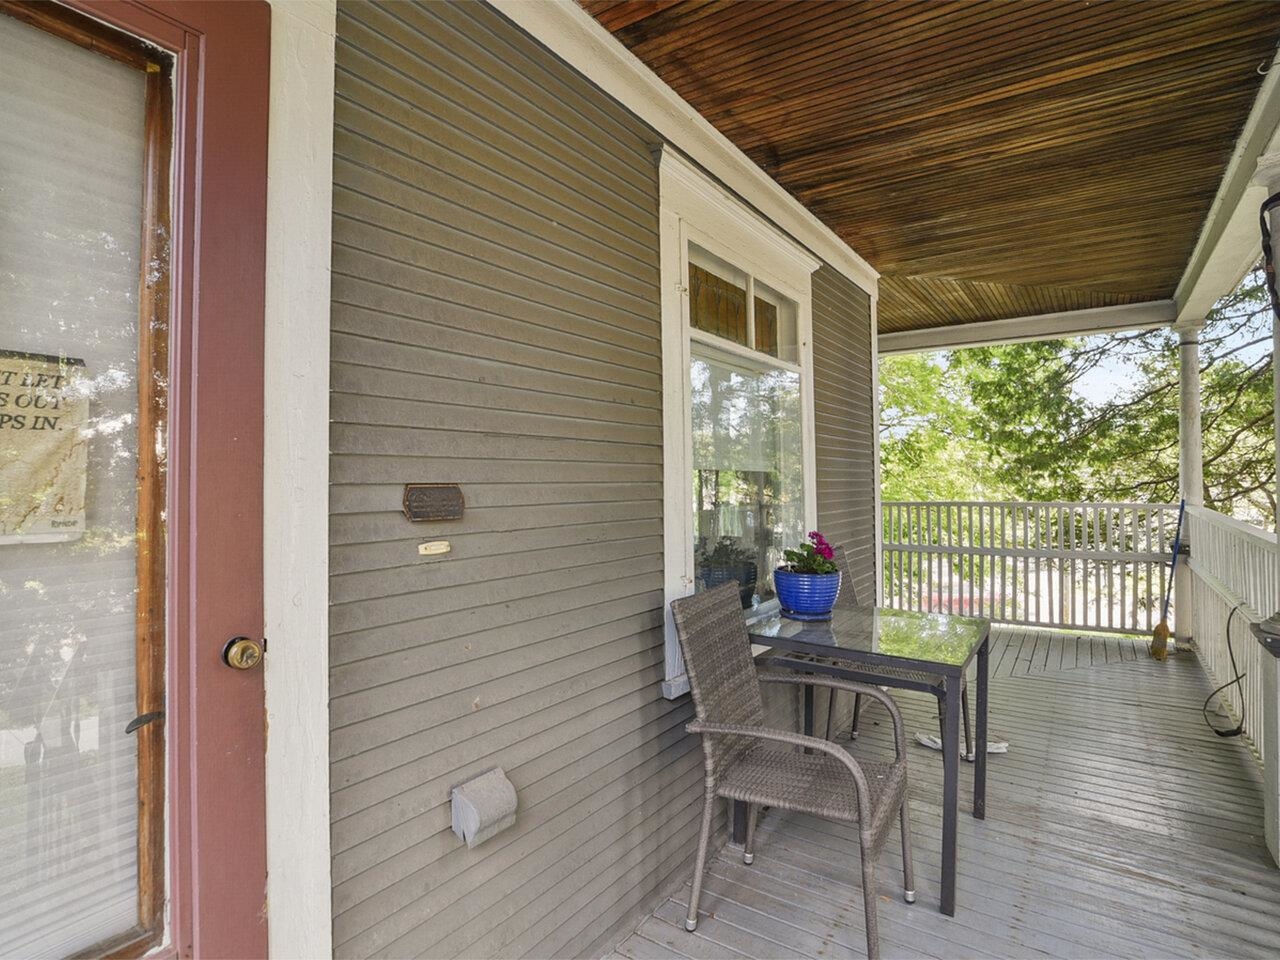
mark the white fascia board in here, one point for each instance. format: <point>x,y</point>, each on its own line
<point>1048,326</point>
<point>575,36</point>
<point>1229,243</point>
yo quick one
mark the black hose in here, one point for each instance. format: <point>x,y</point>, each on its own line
<point>1204,711</point>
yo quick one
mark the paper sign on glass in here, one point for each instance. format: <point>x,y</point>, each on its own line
<point>43,447</point>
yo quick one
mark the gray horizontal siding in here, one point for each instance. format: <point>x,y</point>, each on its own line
<point>495,324</point>
<point>842,387</point>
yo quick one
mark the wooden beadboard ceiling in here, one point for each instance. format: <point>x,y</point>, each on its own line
<point>991,158</point>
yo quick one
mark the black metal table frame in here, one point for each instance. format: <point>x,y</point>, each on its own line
<point>951,678</point>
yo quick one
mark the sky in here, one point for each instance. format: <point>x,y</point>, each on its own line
<point>1115,375</point>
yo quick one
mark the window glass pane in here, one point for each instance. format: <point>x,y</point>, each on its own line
<point>748,481</point>
<point>717,296</point>
<point>71,177</point>
<point>776,324</point>
<point>766,327</point>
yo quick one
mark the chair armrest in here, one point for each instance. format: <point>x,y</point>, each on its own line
<point>834,683</point>
<point>794,739</point>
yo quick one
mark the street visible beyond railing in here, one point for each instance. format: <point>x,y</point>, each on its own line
<point>1082,566</point>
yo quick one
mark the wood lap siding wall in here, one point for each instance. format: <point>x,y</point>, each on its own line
<point>843,421</point>
<point>495,324</point>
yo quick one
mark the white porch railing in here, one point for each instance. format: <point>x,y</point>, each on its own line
<point>1087,566</point>
<point>1233,566</point>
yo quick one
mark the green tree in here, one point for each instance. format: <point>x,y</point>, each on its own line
<point>1013,420</point>
<point>929,444</point>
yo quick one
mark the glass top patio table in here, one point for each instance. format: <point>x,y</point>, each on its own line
<point>936,643</point>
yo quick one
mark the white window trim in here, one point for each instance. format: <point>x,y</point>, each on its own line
<point>695,208</point>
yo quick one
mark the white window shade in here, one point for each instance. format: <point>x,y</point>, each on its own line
<point>71,152</point>
<point>744,418</point>
<point>748,471</point>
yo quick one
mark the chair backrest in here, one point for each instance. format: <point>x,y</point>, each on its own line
<point>717,656</point>
<point>848,596</point>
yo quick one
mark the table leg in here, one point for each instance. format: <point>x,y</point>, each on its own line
<point>950,790</point>
<point>739,823</point>
<point>808,708</point>
<point>808,711</point>
<point>980,761</point>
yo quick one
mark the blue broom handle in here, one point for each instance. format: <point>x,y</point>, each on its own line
<point>1173,567</point>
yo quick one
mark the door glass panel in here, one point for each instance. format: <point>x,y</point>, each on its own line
<point>748,472</point>
<point>71,185</point>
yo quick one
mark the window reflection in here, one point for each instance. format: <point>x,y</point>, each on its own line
<point>748,481</point>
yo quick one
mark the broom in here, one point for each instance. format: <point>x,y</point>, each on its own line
<point>1159,648</point>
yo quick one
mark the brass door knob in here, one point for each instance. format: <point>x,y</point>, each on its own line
<point>242,653</point>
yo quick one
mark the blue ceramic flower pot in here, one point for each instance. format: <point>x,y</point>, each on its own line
<point>806,595</point>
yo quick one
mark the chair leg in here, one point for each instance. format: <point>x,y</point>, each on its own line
<point>869,905</point>
<point>968,733</point>
<point>700,864</point>
<point>748,850</point>
<point>857,711</point>
<point>908,870</point>
<point>831,709</point>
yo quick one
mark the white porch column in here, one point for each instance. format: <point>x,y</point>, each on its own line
<point>1190,441</point>
<point>1269,177</point>
<point>1190,459</point>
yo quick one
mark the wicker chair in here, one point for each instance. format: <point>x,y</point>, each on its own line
<point>890,676</point>
<point>757,765</point>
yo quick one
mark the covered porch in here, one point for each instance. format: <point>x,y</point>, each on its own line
<point>1101,839</point>
<point>1008,171</point>
<point>1022,172</point>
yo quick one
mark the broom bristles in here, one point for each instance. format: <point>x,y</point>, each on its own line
<point>1159,648</point>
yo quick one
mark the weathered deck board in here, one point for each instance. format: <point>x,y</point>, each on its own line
<point>1030,651</point>
<point>1118,826</point>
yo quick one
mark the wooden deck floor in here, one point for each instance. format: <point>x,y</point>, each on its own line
<point>1024,651</point>
<point>1118,825</point>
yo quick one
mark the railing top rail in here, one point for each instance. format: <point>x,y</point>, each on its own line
<point>1044,552</point>
<point>1263,537</point>
<point>1028,503</point>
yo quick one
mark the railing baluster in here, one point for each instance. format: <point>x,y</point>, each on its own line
<point>1111,571</point>
<point>1125,544</point>
<point>1097,566</point>
<point>1035,514</point>
<point>928,539</point>
<point>1134,567</point>
<point>1008,610</point>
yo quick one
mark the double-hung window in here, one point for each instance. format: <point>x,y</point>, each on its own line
<point>738,396</point>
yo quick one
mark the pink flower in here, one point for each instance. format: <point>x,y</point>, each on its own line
<point>824,550</point>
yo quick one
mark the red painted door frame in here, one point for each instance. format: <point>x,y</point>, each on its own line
<point>215,716</point>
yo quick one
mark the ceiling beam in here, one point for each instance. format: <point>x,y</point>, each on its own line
<point>1229,243</point>
<point>1046,326</point>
